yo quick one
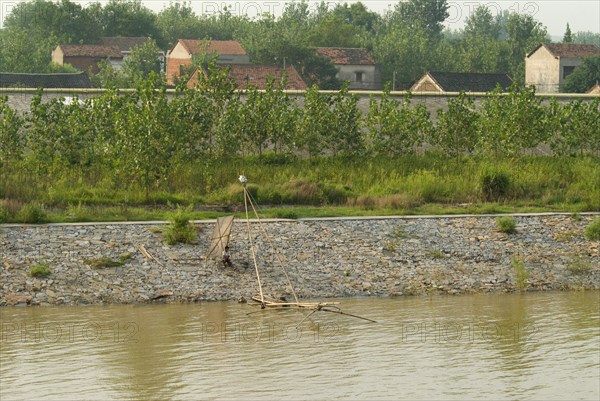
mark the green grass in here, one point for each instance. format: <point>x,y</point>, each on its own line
<point>436,254</point>
<point>32,213</point>
<point>495,183</point>
<point>521,274</point>
<point>286,214</point>
<point>579,265</point>
<point>3,214</point>
<point>40,270</point>
<point>114,214</point>
<point>506,224</point>
<point>318,187</point>
<point>592,232</point>
<point>104,262</point>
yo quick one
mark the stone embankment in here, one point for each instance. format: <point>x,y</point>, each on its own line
<point>323,258</point>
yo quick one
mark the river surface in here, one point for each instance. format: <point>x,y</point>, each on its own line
<point>516,346</point>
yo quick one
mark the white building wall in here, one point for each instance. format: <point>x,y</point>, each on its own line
<point>542,70</point>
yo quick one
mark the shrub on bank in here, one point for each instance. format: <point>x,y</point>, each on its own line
<point>592,232</point>
<point>104,262</point>
<point>578,265</point>
<point>180,230</point>
<point>40,270</point>
<point>521,274</point>
<point>506,224</point>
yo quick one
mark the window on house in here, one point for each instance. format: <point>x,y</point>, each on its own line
<point>567,70</point>
<point>358,76</point>
<point>181,70</point>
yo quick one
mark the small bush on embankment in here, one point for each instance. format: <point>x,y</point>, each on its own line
<point>592,232</point>
<point>40,270</point>
<point>506,224</point>
<point>579,265</point>
<point>521,274</point>
<point>180,230</point>
<point>105,262</point>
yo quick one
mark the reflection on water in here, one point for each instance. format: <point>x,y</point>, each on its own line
<point>518,346</point>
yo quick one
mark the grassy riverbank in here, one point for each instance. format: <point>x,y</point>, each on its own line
<point>292,187</point>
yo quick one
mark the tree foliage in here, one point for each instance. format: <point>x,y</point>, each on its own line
<point>427,14</point>
<point>572,128</point>
<point>314,123</point>
<point>124,18</point>
<point>524,35</point>
<point>568,36</point>
<point>512,123</point>
<point>269,119</point>
<point>142,64</point>
<point>21,52</point>
<point>587,38</point>
<point>396,128</point>
<point>65,21</point>
<point>345,136</point>
<point>11,125</point>
<point>456,131</point>
<point>584,76</point>
<point>178,21</point>
<point>481,49</point>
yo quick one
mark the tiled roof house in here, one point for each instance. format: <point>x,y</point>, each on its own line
<point>86,57</point>
<point>433,81</point>
<point>180,56</point>
<point>355,65</point>
<point>246,75</point>
<point>549,64</point>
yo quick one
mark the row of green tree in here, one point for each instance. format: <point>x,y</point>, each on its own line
<point>146,136</point>
<point>406,40</point>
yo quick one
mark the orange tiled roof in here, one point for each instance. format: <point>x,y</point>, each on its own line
<point>246,75</point>
<point>346,55</point>
<point>91,51</point>
<point>258,75</point>
<point>232,47</point>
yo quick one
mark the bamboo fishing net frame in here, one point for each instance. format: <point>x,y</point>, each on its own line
<point>248,199</point>
<point>271,302</point>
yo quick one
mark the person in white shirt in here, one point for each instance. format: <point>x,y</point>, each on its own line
<point>226,257</point>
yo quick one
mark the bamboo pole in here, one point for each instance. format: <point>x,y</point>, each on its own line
<point>287,277</point>
<point>262,297</point>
